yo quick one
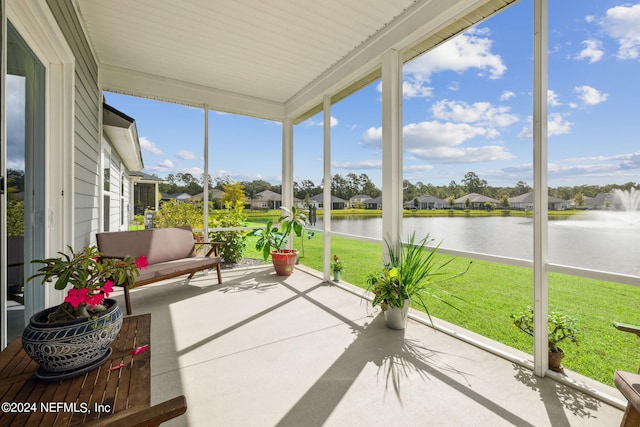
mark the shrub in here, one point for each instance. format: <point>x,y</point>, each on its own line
<point>233,242</point>
<point>178,214</point>
<point>15,218</point>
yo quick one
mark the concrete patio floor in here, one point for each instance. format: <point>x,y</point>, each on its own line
<point>265,350</point>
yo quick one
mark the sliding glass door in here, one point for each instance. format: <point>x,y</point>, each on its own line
<point>24,171</point>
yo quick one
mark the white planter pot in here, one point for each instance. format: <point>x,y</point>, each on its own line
<point>397,317</point>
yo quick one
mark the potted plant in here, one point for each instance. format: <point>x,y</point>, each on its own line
<point>273,237</point>
<point>561,327</point>
<point>408,274</point>
<point>337,267</point>
<point>71,338</point>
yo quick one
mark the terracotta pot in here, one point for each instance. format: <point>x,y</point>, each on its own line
<point>67,349</point>
<point>284,261</point>
<point>555,360</point>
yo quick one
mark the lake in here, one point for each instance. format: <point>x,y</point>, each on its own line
<point>606,241</point>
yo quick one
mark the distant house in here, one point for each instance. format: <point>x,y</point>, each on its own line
<point>179,197</point>
<point>266,199</point>
<point>336,202</point>
<point>358,200</point>
<point>431,202</point>
<point>145,191</point>
<point>525,202</point>
<point>215,196</point>
<point>375,203</point>
<point>476,201</point>
<point>587,203</point>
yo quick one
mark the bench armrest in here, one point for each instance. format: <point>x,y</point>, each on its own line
<point>151,416</point>
<point>215,247</point>
<point>627,328</point>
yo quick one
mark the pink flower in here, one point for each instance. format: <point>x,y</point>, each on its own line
<point>95,299</point>
<point>77,296</point>
<point>107,288</point>
<point>142,262</point>
<point>139,350</point>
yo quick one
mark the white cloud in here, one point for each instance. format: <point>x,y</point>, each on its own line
<point>437,141</point>
<point>149,146</point>
<point>417,168</point>
<point>361,164</point>
<point>167,166</point>
<point>589,95</point>
<point>333,121</point>
<point>412,88</point>
<point>622,23</point>
<point>471,49</point>
<point>507,95</point>
<point>556,125</point>
<point>186,155</point>
<point>416,89</point>
<point>479,112</point>
<point>195,171</point>
<point>552,98</point>
<point>592,51</point>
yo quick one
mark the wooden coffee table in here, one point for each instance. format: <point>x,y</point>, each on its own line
<point>102,396</point>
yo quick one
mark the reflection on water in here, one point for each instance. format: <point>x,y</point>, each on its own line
<point>607,244</point>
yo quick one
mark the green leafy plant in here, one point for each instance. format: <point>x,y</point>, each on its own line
<point>177,214</point>
<point>409,273</point>
<point>91,278</point>
<point>337,266</point>
<point>275,236</point>
<point>15,218</point>
<point>561,326</point>
<point>233,242</point>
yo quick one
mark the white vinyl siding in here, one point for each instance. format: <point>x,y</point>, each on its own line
<point>88,105</point>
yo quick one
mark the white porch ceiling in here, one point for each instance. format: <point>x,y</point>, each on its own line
<point>267,58</point>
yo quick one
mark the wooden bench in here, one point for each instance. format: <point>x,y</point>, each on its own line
<point>171,252</point>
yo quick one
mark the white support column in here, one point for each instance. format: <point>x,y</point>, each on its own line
<point>326,195</point>
<point>287,167</point>
<point>155,197</point>
<point>392,145</point>
<point>205,195</point>
<point>540,219</point>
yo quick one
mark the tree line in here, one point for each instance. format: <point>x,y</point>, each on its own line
<point>353,184</point>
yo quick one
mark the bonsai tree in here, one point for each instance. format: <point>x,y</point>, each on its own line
<point>561,327</point>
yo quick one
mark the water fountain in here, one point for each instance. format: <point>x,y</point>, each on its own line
<point>621,212</point>
<point>629,199</point>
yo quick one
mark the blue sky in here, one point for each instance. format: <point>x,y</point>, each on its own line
<point>467,107</point>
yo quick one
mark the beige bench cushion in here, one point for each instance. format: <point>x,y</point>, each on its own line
<point>169,268</point>
<point>157,244</point>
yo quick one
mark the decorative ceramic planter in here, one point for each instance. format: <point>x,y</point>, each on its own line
<point>397,317</point>
<point>284,261</point>
<point>68,349</point>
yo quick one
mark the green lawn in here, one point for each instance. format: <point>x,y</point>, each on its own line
<point>490,292</point>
